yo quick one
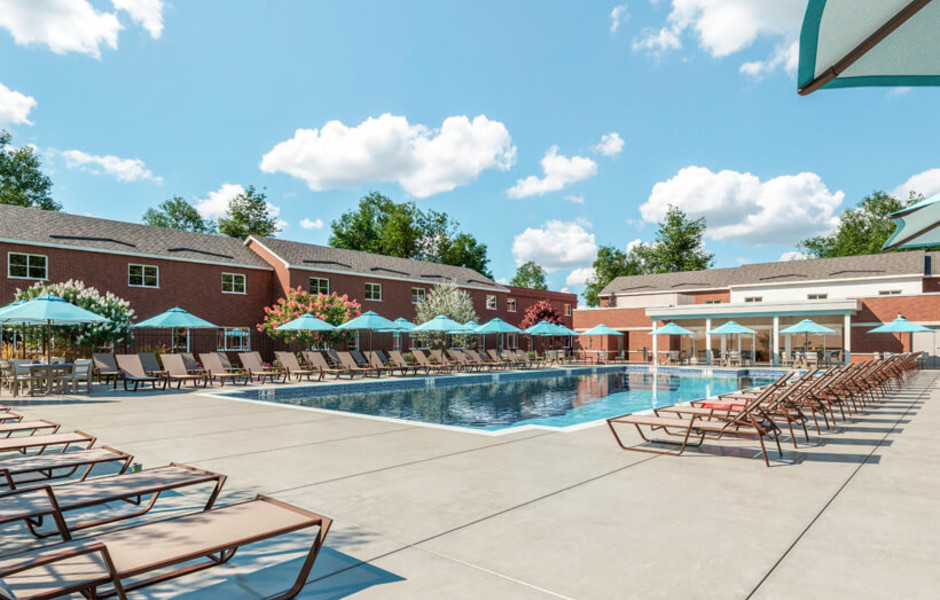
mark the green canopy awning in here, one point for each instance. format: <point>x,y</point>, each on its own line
<point>847,43</point>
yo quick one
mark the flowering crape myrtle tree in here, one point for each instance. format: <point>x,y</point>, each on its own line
<point>449,300</point>
<point>116,330</point>
<point>540,311</point>
<point>331,308</point>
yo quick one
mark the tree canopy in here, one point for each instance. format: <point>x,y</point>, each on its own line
<point>529,275</point>
<point>861,230</point>
<point>177,213</point>
<point>540,311</point>
<point>248,214</point>
<point>678,246</point>
<point>22,182</point>
<point>449,300</point>
<point>382,226</point>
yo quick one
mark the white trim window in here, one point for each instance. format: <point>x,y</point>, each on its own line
<point>816,296</point>
<point>419,295</point>
<point>713,302</point>
<point>568,310</point>
<point>510,305</point>
<point>754,299</point>
<point>373,292</point>
<point>320,285</point>
<point>234,283</point>
<point>147,276</point>
<point>234,339</point>
<point>27,266</point>
<point>889,292</point>
<point>491,302</point>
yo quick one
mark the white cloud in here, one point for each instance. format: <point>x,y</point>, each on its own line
<point>503,281</point>
<point>618,16</point>
<point>792,255</point>
<point>423,161</point>
<point>579,277</point>
<point>899,91</point>
<point>575,199</point>
<point>308,224</point>
<point>559,171</point>
<point>15,107</point>
<point>122,169</point>
<point>633,244</point>
<point>146,13</point>
<point>744,261</point>
<point>724,27</point>
<point>926,183</point>
<point>611,144</point>
<point>565,290</point>
<point>739,206</point>
<point>556,245</point>
<point>63,26</point>
<point>216,203</point>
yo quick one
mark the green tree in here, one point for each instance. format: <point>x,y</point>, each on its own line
<point>609,264</point>
<point>861,230</point>
<point>248,214</point>
<point>177,213</point>
<point>22,182</point>
<point>449,300</point>
<point>529,275</point>
<point>382,226</point>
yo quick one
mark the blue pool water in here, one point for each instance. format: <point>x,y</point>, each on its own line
<point>552,400</point>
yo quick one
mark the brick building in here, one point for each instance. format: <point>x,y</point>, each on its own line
<point>850,295</point>
<point>226,281</point>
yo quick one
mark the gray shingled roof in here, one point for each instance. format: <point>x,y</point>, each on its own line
<point>311,256</point>
<point>900,263</point>
<point>62,229</point>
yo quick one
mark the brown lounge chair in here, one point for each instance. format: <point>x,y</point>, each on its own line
<point>106,367</point>
<point>398,359</point>
<point>9,417</point>
<point>133,372</point>
<point>213,365</point>
<point>31,505</point>
<point>41,443</point>
<point>27,428</point>
<point>176,371</point>
<point>151,364</point>
<point>350,363</point>
<point>422,359</point>
<point>256,370</point>
<point>499,360</point>
<point>192,365</point>
<point>378,360</point>
<point>292,367</point>
<point>118,559</point>
<point>17,470</point>
<point>316,361</point>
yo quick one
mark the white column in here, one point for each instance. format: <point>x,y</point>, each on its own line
<point>847,324</point>
<point>775,349</point>
<point>708,340</point>
<point>655,345</point>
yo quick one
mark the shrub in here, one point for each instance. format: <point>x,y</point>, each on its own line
<point>331,308</point>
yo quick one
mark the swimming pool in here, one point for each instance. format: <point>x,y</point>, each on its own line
<point>492,402</point>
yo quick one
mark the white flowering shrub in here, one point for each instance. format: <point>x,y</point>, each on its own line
<point>449,300</point>
<point>117,310</point>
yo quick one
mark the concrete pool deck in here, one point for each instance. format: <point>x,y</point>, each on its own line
<point>430,513</point>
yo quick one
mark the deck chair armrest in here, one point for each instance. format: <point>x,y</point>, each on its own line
<point>54,508</point>
<point>73,551</point>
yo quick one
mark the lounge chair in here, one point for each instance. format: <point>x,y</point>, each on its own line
<point>457,358</point>
<point>27,428</point>
<point>292,367</point>
<point>41,443</point>
<point>378,360</point>
<point>229,367</point>
<point>215,369</point>
<point>437,356</point>
<point>133,372</point>
<point>17,470</point>
<point>176,371</point>
<point>480,358</point>
<point>32,504</point>
<point>398,359</point>
<point>350,363</point>
<point>118,559</point>
<point>503,362</point>
<point>151,364</point>
<point>9,417</point>
<point>422,360</point>
<point>316,361</point>
<point>361,360</point>
<point>256,370</point>
<point>192,365</point>
<point>106,367</point>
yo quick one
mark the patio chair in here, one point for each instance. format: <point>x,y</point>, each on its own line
<point>473,357</point>
<point>455,358</point>
<point>316,361</point>
<point>31,505</point>
<point>437,356</point>
<point>40,443</point>
<point>484,358</point>
<point>398,359</point>
<point>422,360</point>
<point>27,428</point>
<point>360,359</point>
<point>176,371</point>
<point>133,372</point>
<point>82,374</point>
<point>18,470</point>
<point>151,364</point>
<point>106,367</point>
<point>216,371</point>
<point>192,365</point>
<point>253,364</point>
<point>378,361</point>
<point>12,380</point>
<point>118,560</point>
<point>504,362</point>
<point>292,367</point>
<point>227,363</point>
<point>350,363</point>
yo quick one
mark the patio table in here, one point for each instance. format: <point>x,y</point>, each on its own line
<point>48,373</point>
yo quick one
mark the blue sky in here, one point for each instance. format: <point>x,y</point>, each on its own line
<point>545,128</point>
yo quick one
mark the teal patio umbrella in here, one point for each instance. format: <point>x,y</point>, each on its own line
<point>847,43</point>
<point>440,324</point>
<point>916,226</point>
<point>675,329</point>
<point>899,325</point>
<point>497,326</point>
<point>548,329</point>
<point>369,321</point>
<point>734,328</point>
<point>306,322</point>
<point>601,330</point>
<point>807,327</point>
<point>176,318</point>
<point>49,311</point>
<point>2,309</point>
<point>402,325</point>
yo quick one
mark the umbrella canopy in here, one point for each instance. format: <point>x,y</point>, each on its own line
<point>48,310</point>
<point>732,328</point>
<point>371,321</point>
<point>672,329</point>
<point>562,330</point>
<point>544,328</point>
<point>441,324</point>
<point>306,322</point>
<point>601,330</point>
<point>176,318</point>
<point>497,325</point>
<point>916,226</point>
<point>900,325</point>
<point>883,43</point>
<point>808,326</point>
<point>401,325</point>
<point>471,325</point>
<point>12,305</point>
